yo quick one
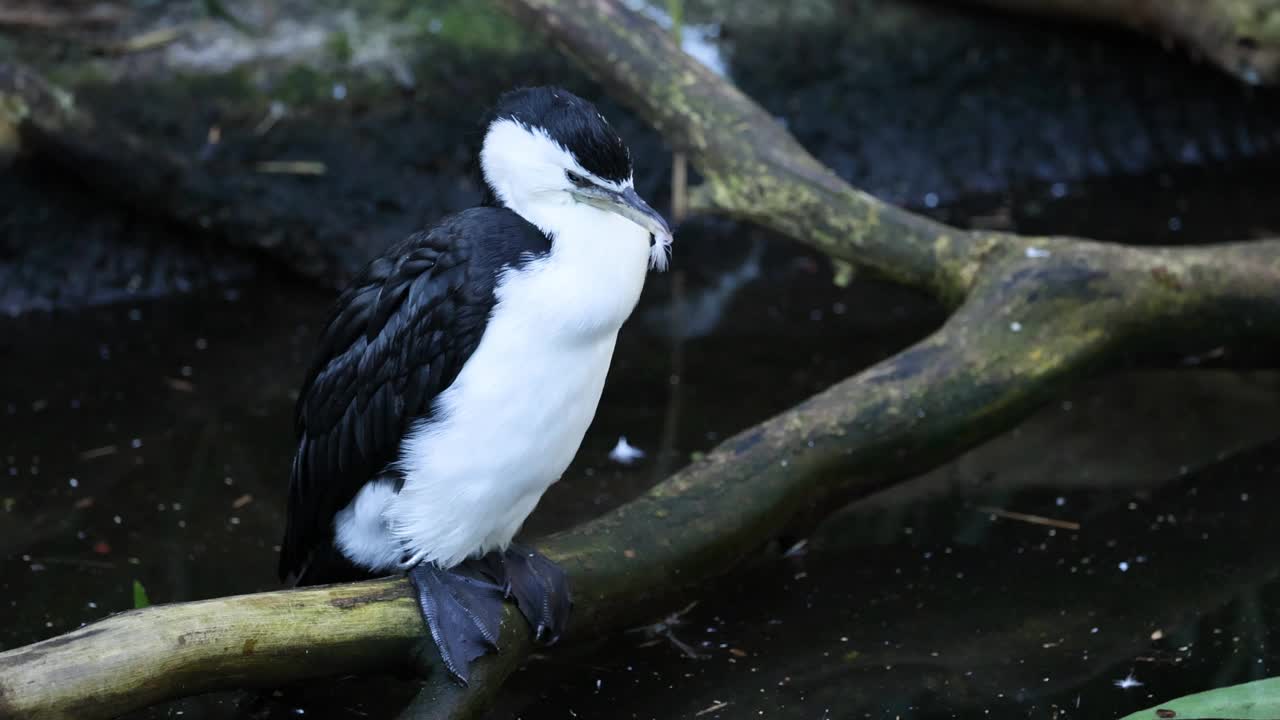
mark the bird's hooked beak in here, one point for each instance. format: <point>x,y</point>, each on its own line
<point>630,206</point>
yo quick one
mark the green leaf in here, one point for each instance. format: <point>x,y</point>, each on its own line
<point>139,595</point>
<point>1259,700</point>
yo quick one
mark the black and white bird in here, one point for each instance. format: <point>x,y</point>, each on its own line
<point>458,374</point>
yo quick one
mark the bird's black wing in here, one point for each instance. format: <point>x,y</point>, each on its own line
<point>397,337</point>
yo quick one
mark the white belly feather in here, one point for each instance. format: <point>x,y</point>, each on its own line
<point>512,421</point>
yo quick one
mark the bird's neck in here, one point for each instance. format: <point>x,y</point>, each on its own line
<point>601,259</point>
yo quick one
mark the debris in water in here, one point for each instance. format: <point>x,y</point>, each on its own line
<point>664,629</point>
<point>797,550</point>
<point>624,452</point>
<point>98,452</point>
<point>241,501</point>
<point>275,111</point>
<point>1033,519</point>
<point>1127,682</point>
<point>291,167</point>
<point>717,705</point>
<point>179,384</point>
<point>149,40</point>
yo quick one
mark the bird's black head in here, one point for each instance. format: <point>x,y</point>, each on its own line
<point>547,153</point>
<point>572,123</point>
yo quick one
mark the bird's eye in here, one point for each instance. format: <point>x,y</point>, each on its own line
<point>576,179</point>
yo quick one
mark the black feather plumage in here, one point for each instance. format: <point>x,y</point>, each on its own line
<point>396,338</point>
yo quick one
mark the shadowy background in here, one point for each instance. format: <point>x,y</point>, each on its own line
<point>151,346</point>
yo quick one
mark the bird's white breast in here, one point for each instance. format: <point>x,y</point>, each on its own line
<point>513,420</point>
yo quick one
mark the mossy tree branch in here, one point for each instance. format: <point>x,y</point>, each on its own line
<point>1032,313</point>
<point>753,168</point>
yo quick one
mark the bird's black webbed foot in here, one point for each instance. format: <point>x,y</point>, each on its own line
<point>540,589</point>
<point>463,611</point>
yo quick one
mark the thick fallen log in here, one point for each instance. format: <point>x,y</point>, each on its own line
<point>1033,313</point>
<point>1240,36</point>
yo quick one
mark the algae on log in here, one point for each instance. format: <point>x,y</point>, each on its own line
<point>1240,36</point>
<point>1032,314</point>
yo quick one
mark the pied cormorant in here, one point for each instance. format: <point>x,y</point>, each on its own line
<point>457,375</point>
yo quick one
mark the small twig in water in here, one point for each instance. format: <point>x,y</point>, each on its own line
<point>149,40</point>
<point>76,562</point>
<point>179,384</point>
<point>292,167</point>
<point>98,452</point>
<point>717,705</point>
<point>1033,519</point>
<point>275,111</point>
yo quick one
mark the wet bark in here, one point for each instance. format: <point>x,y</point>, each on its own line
<point>1031,314</point>
<point>1240,36</point>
